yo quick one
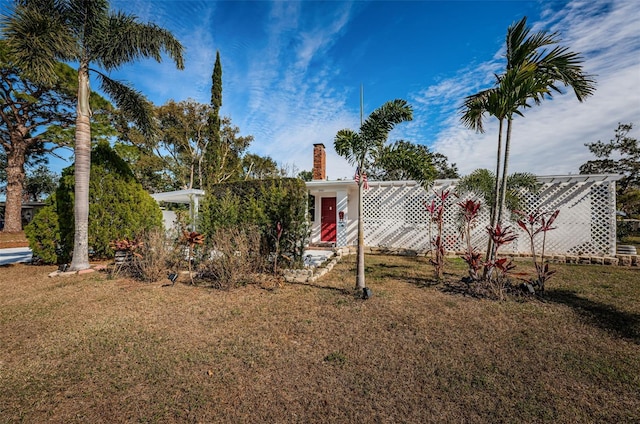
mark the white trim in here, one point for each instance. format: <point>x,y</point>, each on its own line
<point>178,196</point>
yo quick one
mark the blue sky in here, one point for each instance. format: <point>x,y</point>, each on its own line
<point>292,72</point>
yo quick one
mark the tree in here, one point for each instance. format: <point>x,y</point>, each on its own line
<point>39,33</point>
<point>532,73</point>
<point>627,150</point>
<point>537,74</point>
<point>120,208</point>
<point>40,183</point>
<point>213,162</point>
<point>482,182</point>
<point>305,175</point>
<point>444,170</point>
<point>358,148</point>
<point>225,163</point>
<point>28,110</point>
<point>403,160</point>
<point>182,133</point>
<point>256,167</point>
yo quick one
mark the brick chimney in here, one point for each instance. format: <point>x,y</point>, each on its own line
<point>319,162</point>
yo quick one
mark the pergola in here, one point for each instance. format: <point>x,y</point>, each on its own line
<point>190,197</point>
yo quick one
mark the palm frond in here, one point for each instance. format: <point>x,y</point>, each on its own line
<point>37,39</point>
<point>126,40</point>
<point>132,103</point>
<point>346,143</point>
<point>375,129</point>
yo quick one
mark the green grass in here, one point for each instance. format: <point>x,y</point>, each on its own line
<point>89,349</point>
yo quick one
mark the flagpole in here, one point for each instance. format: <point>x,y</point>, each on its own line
<point>361,103</point>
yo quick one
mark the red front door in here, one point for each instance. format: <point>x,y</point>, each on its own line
<point>328,214</point>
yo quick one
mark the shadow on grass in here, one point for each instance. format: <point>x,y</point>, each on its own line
<point>318,286</point>
<point>624,324</point>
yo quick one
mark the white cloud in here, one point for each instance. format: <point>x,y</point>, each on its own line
<point>281,88</point>
<point>550,138</point>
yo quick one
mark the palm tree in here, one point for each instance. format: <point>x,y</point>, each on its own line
<point>482,182</point>
<point>503,102</point>
<point>39,33</point>
<point>358,147</point>
<point>533,72</point>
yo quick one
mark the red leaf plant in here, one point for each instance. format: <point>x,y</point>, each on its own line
<point>469,213</point>
<point>437,215</point>
<point>192,239</point>
<point>534,224</point>
<point>498,269</point>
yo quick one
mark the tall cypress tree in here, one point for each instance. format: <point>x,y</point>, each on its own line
<point>214,123</point>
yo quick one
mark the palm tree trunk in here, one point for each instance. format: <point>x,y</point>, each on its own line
<point>496,193</point>
<point>15,186</point>
<point>503,190</point>
<point>82,152</point>
<point>360,283</point>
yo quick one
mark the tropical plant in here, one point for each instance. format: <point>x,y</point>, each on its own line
<point>498,269</point>
<point>535,68</point>
<point>192,240</point>
<point>358,147</point>
<point>534,224</point>
<point>469,210</point>
<point>437,216</point>
<point>482,183</point>
<point>403,160</point>
<point>39,33</point>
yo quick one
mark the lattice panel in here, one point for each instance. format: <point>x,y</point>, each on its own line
<point>395,216</point>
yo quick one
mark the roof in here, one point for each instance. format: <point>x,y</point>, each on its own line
<point>179,196</point>
<point>579,178</point>
<point>190,195</point>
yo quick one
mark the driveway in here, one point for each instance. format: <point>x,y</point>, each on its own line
<point>15,255</point>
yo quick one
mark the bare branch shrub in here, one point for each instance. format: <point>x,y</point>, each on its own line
<point>154,257</point>
<point>234,258</point>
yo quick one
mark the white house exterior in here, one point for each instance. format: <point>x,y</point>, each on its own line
<point>395,215</point>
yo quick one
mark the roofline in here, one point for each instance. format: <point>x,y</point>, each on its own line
<point>445,182</point>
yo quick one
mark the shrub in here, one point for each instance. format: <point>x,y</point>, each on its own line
<point>155,255</point>
<point>119,207</point>
<point>534,224</point>
<point>437,216</point>
<point>43,234</point>
<point>262,204</point>
<point>234,257</point>
<point>469,216</point>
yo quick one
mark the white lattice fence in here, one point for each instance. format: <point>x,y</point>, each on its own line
<point>396,217</point>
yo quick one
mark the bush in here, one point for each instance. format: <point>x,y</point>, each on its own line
<point>155,256</point>
<point>234,258</point>
<point>119,208</point>
<point>43,234</point>
<point>260,203</point>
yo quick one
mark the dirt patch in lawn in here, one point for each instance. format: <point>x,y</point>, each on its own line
<point>93,349</point>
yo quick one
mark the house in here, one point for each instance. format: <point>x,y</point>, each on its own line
<point>395,216</point>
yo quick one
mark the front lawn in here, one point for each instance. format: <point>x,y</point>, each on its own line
<point>93,349</point>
